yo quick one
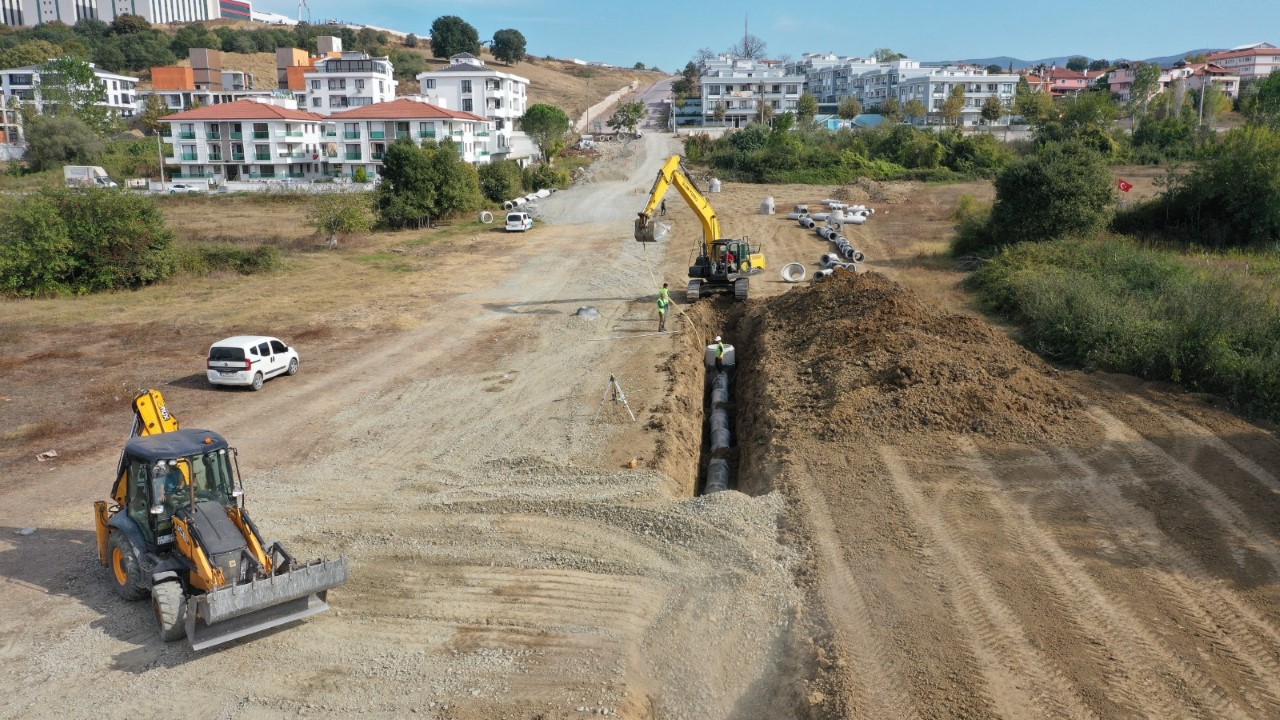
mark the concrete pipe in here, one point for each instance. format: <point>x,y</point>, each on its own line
<point>508,205</point>
<point>807,222</point>
<point>796,215</point>
<point>801,209</point>
<point>715,185</point>
<point>766,207</point>
<point>823,232</point>
<point>518,202</point>
<point>856,219</point>
<point>837,217</point>
<point>719,421</point>
<point>856,208</point>
<point>719,397</point>
<point>793,272</point>
<point>717,476</point>
<point>820,217</point>
<point>720,439</point>
<point>858,256</point>
<point>720,381</point>
<point>828,201</point>
<point>822,275</point>
<point>544,192</point>
<point>828,259</point>
<point>850,254</point>
<point>486,217</point>
<point>837,205</point>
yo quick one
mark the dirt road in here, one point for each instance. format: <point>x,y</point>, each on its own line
<point>933,523</point>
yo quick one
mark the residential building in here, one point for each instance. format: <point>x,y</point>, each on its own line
<point>1060,82</point>
<point>235,9</point>
<point>360,137</point>
<point>466,84</point>
<point>351,80</point>
<point>934,85</point>
<point>38,12</point>
<point>1215,75</point>
<point>1248,61</point>
<point>827,75</point>
<point>24,84</point>
<point>739,88</point>
<point>252,139</point>
<point>203,82</point>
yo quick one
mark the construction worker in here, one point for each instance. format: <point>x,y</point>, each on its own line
<point>662,207</point>
<point>664,292</point>
<point>719,353</point>
<point>730,262</point>
<point>663,303</point>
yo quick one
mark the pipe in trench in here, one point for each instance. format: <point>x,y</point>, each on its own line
<point>719,434</point>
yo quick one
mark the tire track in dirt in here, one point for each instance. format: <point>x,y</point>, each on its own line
<point>996,637</point>
<point>1245,532</point>
<point>1214,610</point>
<point>1123,636</point>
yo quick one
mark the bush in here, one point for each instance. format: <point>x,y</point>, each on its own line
<point>83,240</point>
<point>1060,191</point>
<point>209,258</point>
<point>1111,305</point>
<point>501,180</point>
<point>545,176</point>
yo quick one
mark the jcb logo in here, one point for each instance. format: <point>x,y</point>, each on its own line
<point>164,412</point>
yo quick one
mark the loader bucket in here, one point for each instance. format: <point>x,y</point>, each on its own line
<point>233,612</point>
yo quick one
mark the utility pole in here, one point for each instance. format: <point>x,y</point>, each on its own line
<point>1204,80</point>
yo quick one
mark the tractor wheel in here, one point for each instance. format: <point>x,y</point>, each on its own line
<point>124,567</point>
<point>170,604</point>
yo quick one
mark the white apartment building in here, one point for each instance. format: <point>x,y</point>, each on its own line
<point>467,85</point>
<point>1248,61</point>
<point>37,12</point>
<point>360,137</point>
<point>827,75</point>
<point>351,81</point>
<point>936,85</point>
<point>740,87</point>
<point>179,100</point>
<point>24,84</point>
<point>254,139</point>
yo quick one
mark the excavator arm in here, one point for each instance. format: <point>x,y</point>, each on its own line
<point>673,173</point>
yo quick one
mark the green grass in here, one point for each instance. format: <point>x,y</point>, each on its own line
<point>1113,305</point>
<point>389,261</point>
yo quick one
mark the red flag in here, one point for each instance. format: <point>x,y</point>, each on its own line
<point>1124,186</point>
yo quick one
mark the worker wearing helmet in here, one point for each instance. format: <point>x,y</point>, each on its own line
<point>719,346</point>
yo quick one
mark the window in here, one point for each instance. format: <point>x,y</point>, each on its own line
<point>359,83</point>
<point>381,88</point>
<point>466,86</point>
<point>315,84</point>
<point>315,102</point>
<point>264,349</point>
<point>429,84</point>
<point>466,105</point>
<point>337,84</point>
<point>278,347</point>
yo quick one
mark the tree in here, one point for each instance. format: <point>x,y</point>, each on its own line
<point>546,125</point>
<point>994,69</point>
<point>1262,107</point>
<point>337,214</point>
<point>194,36</point>
<point>1062,190</point>
<point>153,112</point>
<point>992,109</point>
<point>914,109</point>
<point>849,108</point>
<point>953,106</point>
<point>1078,63</point>
<point>451,35</point>
<point>886,55</point>
<point>891,110</point>
<point>54,140</point>
<point>33,52</point>
<point>68,85</point>
<point>411,40</point>
<point>806,108</point>
<point>108,57</point>
<point>92,29</point>
<point>145,49</point>
<point>749,48</point>
<point>129,25</point>
<point>1099,64</point>
<point>501,180</point>
<point>1146,83</point>
<point>702,55</point>
<point>720,111</point>
<point>628,115</point>
<point>508,46</point>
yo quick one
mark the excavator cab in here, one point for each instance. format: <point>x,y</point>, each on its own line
<point>177,528</point>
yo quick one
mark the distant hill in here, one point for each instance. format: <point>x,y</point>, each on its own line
<point>1061,61</point>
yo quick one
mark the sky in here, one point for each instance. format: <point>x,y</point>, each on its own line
<point>667,33</point>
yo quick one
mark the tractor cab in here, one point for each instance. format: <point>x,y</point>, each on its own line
<point>169,474</point>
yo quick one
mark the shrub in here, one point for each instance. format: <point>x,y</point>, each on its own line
<point>209,258</point>
<point>1060,191</point>
<point>501,181</point>
<point>360,175</point>
<point>545,176</point>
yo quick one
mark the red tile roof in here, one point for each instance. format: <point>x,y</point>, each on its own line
<point>244,110</point>
<point>1242,53</point>
<point>405,109</point>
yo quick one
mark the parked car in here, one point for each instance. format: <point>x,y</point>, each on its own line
<point>519,221</point>
<point>249,360</point>
<point>175,188</point>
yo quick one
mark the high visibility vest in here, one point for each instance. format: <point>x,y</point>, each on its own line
<point>662,304</point>
<point>720,350</point>
<point>664,294</point>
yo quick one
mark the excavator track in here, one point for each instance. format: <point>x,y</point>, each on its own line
<point>694,291</point>
<point>740,288</point>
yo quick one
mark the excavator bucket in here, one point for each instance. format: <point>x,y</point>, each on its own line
<point>233,612</point>
<point>645,227</point>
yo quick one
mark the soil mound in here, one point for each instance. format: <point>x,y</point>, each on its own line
<point>860,353</point>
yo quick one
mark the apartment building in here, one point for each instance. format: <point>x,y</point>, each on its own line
<point>739,88</point>
<point>24,84</point>
<point>828,76</point>
<point>932,86</point>
<point>37,12</point>
<point>351,80</point>
<point>466,84</point>
<point>253,139</point>
<point>360,137</point>
<point>1060,82</point>
<point>1248,61</point>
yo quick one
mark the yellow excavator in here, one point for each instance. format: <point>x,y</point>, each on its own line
<point>722,265</point>
<point>176,528</point>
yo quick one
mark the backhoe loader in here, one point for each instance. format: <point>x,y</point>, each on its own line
<point>722,265</point>
<point>176,528</point>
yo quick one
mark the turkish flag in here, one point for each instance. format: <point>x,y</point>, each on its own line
<point>1124,186</point>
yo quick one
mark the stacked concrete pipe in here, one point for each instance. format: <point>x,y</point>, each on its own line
<point>718,432</point>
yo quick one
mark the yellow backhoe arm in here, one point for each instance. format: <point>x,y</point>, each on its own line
<point>151,416</point>
<point>673,173</point>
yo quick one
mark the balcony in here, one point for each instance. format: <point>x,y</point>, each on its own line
<point>482,134</point>
<point>237,157</point>
<point>426,133</point>
<point>331,153</point>
<point>215,158</point>
<point>261,135</point>
<point>402,134</point>
<point>354,156</point>
<point>331,133</point>
<point>296,175</point>
<point>377,135</point>
<point>187,135</point>
<point>293,133</point>
<point>456,133</point>
<point>237,135</point>
<point>190,176</point>
<point>298,155</point>
<point>266,156</point>
<point>215,136</point>
<point>262,176</point>
<point>377,157</point>
<point>351,134</point>
<point>190,157</point>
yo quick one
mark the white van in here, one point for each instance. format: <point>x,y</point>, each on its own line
<point>249,360</point>
<point>519,221</point>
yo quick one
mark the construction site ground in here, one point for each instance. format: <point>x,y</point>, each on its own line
<point>932,522</point>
